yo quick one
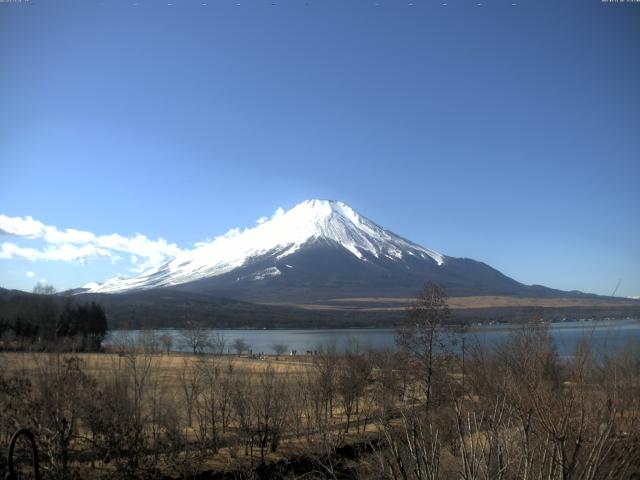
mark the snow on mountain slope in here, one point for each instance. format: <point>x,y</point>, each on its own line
<point>282,235</point>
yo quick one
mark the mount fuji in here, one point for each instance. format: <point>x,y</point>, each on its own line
<point>319,250</point>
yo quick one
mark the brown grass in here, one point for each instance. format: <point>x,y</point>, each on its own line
<point>373,304</point>
<point>167,369</point>
<point>170,365</point>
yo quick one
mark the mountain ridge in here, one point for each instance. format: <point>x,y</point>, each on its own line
<point>317,250</point>
<point>284,234</point>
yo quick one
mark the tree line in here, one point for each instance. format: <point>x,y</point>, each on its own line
<point>44,320</point>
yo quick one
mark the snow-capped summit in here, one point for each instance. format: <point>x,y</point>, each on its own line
<point>261,252</point>
<point>318,250</point>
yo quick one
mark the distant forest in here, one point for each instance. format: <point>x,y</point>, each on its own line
<point>43,319</point>
<point>173,308</point>
<point>63,316</point>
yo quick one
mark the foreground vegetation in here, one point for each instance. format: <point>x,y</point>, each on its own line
<point>511,411</point>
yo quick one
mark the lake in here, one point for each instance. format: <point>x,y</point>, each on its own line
<point>606,334</point>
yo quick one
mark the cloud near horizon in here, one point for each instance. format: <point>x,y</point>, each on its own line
<point>71,245</point>
<point>78,246</point>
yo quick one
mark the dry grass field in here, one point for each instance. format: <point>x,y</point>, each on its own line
<point>140,414</point>
<point>188,388</point>
<point>399,304</point>
<point>169,365</point>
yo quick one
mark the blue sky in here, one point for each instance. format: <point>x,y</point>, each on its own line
<point>505,133</point>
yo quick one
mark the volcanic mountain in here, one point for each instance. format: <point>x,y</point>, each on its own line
<point>319,250</point>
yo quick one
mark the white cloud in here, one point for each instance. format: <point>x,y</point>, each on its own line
<point>11,250</point>
<point>65,253</point>
<point>30,274</point>
<point>30,228</point>
<point>73,245</point>
<point>78,246</point>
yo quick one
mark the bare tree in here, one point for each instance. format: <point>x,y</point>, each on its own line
<point>117,416</point>
<point>280,348</point>
<point>44,289</point>
<point>411,451</point>
<point>352,379</point>
<point>167,342</point>
<point>421,336</point>
<point>326,365</point>
<point>189,379</point>
<point>56,409</point>
<point>240,346</point>
<point>216,343</point>
<point>390,382</point>
<point>213,403</point>
<point>148,340</point>
<point>269,406</point>
<point>195,337</point>
<point>242,405</point>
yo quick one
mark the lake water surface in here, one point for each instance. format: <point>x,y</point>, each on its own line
<point>606,334</point>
